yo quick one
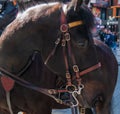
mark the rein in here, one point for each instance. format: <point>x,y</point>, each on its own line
<point>48,92</point>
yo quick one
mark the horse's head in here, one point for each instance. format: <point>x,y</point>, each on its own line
<point>80,22</point>
<point>39,27</point>
<point>63,37</point>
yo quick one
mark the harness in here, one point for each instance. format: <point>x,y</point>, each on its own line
<point>70,88</point>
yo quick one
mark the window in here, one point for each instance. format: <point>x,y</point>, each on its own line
<point>109,12</point>
<point>103,14</point>
<point>118,12</point>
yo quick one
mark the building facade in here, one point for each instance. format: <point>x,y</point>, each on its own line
<point>108,11</point>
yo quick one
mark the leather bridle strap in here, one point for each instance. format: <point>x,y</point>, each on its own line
<point>75,66</point>
<point>53,51</point>
<point>66,39</point>
<point>69,25</point>
<point>64,29</point>
<point>90,69</point>
<point>48,92</point>
<point>68,76</point>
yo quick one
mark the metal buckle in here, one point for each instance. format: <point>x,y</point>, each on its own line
<point>67,37</point>
<point>57,41</point>
<point>68,75</point>
<point>52,91</point>
<point>82,110</point>
<point>63,42</point>
<point>75,68</point>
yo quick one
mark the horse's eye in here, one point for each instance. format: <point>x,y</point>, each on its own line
<point>80,43</point>
<point>83,44</point>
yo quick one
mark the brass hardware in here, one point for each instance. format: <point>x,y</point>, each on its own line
<point>82,110</point>
<point>59,101</point>
<point>68,75</point>
<point>52,91</point>
<point>63,42</point>
<point>67,37</point>
<point>75,68</point>
<point>57,41</point>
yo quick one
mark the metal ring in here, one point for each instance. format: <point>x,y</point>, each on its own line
<point>81,86</point>
<point>71,88</point>
<point>64,28</point>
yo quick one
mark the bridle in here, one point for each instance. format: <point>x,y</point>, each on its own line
<point>65,41</point>
<point>70,88</point>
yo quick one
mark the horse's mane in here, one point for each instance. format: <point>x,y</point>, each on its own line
<point>24,4</point>
<point>31,14</point>
<point>37,11</point>
<point>42,10</point>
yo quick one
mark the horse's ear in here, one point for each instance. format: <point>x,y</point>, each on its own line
<point>79,3</point>
<point>76,4</point>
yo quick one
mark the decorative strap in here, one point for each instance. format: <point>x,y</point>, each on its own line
<point>90,69</point>
<point>74,24</point>
<point>7,83</point>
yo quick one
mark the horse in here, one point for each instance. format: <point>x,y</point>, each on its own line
<point>61,33</point>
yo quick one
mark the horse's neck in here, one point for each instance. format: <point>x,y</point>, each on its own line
<point>38,74</point>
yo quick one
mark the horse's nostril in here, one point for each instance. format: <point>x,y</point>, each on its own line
<point>98,100</point>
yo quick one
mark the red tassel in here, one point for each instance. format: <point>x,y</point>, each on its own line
<point>7,83</point>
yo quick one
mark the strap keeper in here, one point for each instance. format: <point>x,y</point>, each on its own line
<point>63,42</point>
<point>68,75</point>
